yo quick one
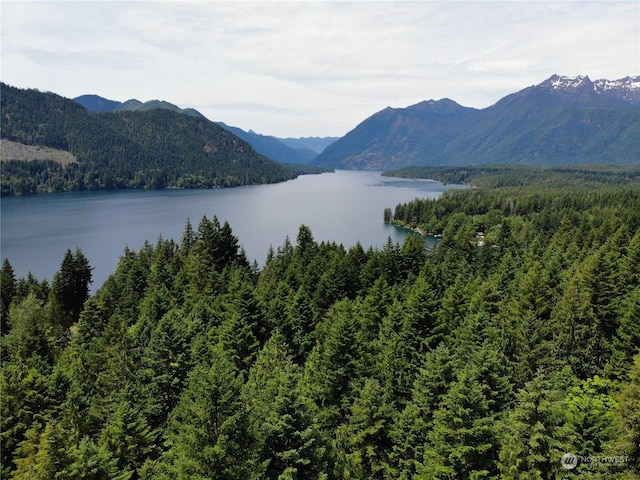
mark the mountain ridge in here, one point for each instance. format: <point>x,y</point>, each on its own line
<point>561,120</point>
<point>98,104</point>
<point>272,147</point>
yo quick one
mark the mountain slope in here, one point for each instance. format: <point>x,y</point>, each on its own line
<point>268,146</point>
<point>155,148</point>
<point>271,147</point>
<point>563,120</point>
<point>315,144</point>
<point>399,136</point>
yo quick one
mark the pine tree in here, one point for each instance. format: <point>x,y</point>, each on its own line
<point>412,426</point>
<point>627,421</point>
<point>300,323</point>
<point>333,364</point>
<point>626,342</point>
<point>25,401</point>
<point>70,286</point>
<point>8,287</point>
<point>589,415</point>
<point>127,437</point>
<point>396,359</point>
<point>530,447</point>
<point>243,327</point>
<point>287,443</point>
<point>463,441</point>
<point>363,443</point>
<point>422,307</point>
<point>165,364</point>
<point>207,432</point>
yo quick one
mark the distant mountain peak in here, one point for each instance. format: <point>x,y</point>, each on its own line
<point>444,105</point>
<point>625,89</point>
<point>562,82</point>
<point>626,83</point>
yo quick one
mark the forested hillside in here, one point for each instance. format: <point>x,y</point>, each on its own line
<point>156,148</point>
<point>511,344</point>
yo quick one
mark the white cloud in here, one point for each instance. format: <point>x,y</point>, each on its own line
<point>311,68</point>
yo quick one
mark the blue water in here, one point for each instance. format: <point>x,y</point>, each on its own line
<point>345,207</point>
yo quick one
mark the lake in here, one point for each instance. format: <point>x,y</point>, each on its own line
<point>345,207</point>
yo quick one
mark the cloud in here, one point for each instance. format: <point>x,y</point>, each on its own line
<point>312,68</point>
<point>256,107</point>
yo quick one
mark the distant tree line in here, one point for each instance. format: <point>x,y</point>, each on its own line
<point>490,356</point>
<point>498,176</point>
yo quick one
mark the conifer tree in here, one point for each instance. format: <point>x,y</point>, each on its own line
<point>70,286</point>
<point>626,342</point>
<point>413,424</point>
<point>333,364</point>
<point>207,432</point>
<point>8,286</point>
<point>463,441</point>
<point>287,443</point>
<point>243,327</point>
<point>164,367</point>
<point>589,412</point>
<point>531,447</point>
<point>627,421</point>
<point>396,359</point>
<point>363,442</point>
<point>127,437</point>
<point>25,399</point>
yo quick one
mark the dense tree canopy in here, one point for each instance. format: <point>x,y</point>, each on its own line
<point>156,148</point>
<point>513,342</point>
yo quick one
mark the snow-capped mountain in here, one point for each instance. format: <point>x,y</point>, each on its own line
<point>626,89</point>
<point>602,85</point>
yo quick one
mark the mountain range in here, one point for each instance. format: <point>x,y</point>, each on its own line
<point>273,147</point>
<point>110,144</point>
<point>301,151</point>
<point>563,120</point>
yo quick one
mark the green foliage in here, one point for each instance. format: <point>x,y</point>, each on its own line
<point>531,447</point>
<point>489,356</point>
<point>70,287</point>
<point>363,442</point>
<point>207,432</point>
<point>501,176</point>
<point>154,148</point>
<point>288,444</point>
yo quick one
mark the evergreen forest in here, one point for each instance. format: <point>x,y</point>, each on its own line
<point>153,148</point>
<point>508,351</point>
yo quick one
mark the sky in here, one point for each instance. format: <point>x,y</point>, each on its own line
<point>311,68</point>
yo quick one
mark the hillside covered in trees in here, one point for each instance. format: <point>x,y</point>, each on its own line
<point>152,148</point>
<point>509,351</point>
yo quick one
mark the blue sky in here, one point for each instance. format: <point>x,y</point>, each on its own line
<point>311,68</point>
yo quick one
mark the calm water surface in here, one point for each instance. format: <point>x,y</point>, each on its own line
<point>345,207</point>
